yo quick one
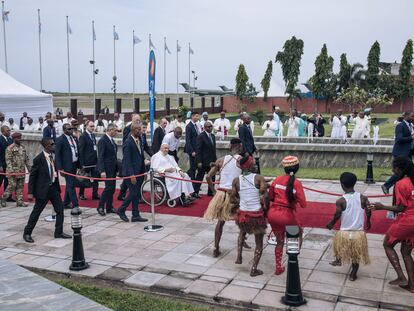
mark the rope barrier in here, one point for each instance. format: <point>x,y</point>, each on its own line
<point>100,178</point>
<point>13,174</point>
<point>339,195</point>
<point>188,180</point>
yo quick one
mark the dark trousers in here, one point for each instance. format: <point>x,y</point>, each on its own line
<point>123,189</point>
<point>70,192</point>
<point>134,194</point>
<point>95,174</point>
<point>107,196</point>
<point>193,167</point>
<point>53,196</point>
<point>3,179</point>
<point>200,176</point>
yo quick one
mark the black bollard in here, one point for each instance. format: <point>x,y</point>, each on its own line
<point>293,295</point>
<point>370,172</point>
<point>78,256</point>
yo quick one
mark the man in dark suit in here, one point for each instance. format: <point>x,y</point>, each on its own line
<point>132,164</point>
<point>49,131</point>
<point>67,159</point>
<point>5,141</point>
<point>88,158</point>
<point>191,132</point>
<point>23,121</point>
<point>44,186</point>
<point>205,154</point>
<point>125,134</point>
<point>319,128</point>
<point>246,136</point>
<point>403,146</point>
<point>107,168</point>
<point>158,136</point>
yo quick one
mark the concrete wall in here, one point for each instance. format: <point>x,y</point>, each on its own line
<point>271,153</point>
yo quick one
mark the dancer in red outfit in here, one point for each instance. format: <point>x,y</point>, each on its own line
<point>285,194</point>
<point>402,230</point>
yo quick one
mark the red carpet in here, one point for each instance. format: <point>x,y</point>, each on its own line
<point>316,215</point>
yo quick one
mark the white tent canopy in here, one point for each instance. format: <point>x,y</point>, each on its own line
<point>275,90</point>
<point>16,98</point>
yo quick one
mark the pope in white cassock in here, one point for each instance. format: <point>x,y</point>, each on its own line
<point>163,163</point>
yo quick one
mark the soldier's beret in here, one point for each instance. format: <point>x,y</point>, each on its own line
<point>16,135</point>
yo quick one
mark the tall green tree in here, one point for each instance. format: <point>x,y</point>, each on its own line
<point>344,75</point>
<point>289,60</point>
<point>241,82</point>
<point>265,83</point>
<point>405,70</point>
<point>372,73</point>
<point>323,82</point>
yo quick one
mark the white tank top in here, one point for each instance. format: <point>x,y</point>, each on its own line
<point>249,194</point>
<point>229,171</point>
<point>352,217</point>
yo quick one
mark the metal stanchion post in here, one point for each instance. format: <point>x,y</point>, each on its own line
<point>78,256</point>
<point>370,172</point>
<point>153,227</point>
<point>293,295</point>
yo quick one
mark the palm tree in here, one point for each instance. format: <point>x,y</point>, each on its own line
<point>356,75</point>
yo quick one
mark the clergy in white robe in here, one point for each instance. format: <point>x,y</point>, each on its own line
<point>269,127</point>
<point>338,123</point>
<point>293,126</point>
<point>30,126</point>
<point>163,163</point>
<point>361,128</point>
<point>222,125</point>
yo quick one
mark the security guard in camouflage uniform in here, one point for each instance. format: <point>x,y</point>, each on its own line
<point>16,160</point>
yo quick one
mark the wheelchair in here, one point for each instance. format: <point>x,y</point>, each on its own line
<point>160,192</point>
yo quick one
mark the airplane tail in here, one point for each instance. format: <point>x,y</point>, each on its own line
<point>224,88</point>
<point>185,86</point>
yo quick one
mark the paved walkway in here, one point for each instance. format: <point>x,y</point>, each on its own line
<point>179,260</point>
<point>22,290</point>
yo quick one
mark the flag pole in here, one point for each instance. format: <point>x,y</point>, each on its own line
<point>67,45</point>
<point>93,70</point>
<point>177,74</point>
<point>40,50</point>
<point>133,67</point>
<point>114,77</point>
<point>165,66</point>
<point>189,70</point>
<point>4,34</point>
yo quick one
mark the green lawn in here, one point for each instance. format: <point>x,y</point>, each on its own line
<point>330,173</point>
<point>118,300</point>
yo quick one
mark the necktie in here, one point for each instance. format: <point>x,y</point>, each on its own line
<point>113,145</point>
<point>51,169</point>
<point>137,142</point>
<point>196,128</point>
<point>74,145</point>
<point>93,139</point>
<point>211,139</point>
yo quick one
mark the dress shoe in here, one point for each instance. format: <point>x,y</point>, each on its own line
<point>101,211</point>
<point>124,218</point>
<point>96,197</point>
<point>111,211</point>
<point>21,204</point>
<point>121,198</point>
<point>184,203</point>
<point>138,219</point>
<point>190,199</point>
<point>28,238</point>
<point>196,195</point>
<point>10,199</point>
<point>82,197</point>
<point>62,236</point>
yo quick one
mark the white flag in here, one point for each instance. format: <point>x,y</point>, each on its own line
<point>69,29</point>
<point>6,16</point>
<point>178,47</point>
<point>136,40</point>
<point>116,37</point>
<point>191,50</point>
<point>152,46</point>
<point>93,33</point>
<point>166,48</point>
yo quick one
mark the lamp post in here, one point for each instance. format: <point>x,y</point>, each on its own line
<point>293,294</point>
<point>153,227</point>
<point>78,256</point>
<point>370,173</point>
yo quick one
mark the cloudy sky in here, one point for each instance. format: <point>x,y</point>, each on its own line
<point>223,34</point>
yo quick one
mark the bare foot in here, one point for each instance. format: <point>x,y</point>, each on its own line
<point>239,261</point>
<point>399,282</point>
<point>336,262</point>
<point>216,253</point>
<point>406,287</point>
<point>256,272</point>
<point>245,245</point>
<point>279,271</point>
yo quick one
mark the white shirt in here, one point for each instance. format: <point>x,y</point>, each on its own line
<point>229,171</point>
<point>269,128</point>
<point>41,126</point>
<point>73,147</point>
<point>48,166</point>
<point>249,194</point>
<point>220,124</point>
<point>170,127</point>
<point>58,127</point>
<point>13,127</point>
<point>30,127</point>
<point>67,120</point>
<point>172,141</point>
<point>353,216</point>
<point>118,123</point>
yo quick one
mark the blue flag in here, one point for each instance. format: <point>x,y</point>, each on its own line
<point>151,89</point>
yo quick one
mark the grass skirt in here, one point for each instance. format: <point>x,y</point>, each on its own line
<point>251,222</point>
<point>351,247</point>
<point>219,207</point>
